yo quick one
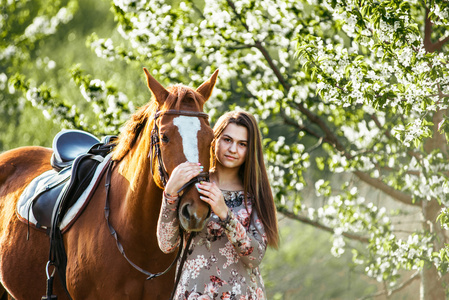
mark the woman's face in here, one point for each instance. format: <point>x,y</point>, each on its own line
<point>231,146</point>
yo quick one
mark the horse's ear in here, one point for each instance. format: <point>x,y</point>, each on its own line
<point>159,92</point>
<point>206,88</point>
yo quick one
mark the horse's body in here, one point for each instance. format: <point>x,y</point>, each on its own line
<point>95,267</point>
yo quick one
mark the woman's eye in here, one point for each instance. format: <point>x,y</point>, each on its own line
<point>164,139</point>
<point>242,144</point>
<point>227,140</point>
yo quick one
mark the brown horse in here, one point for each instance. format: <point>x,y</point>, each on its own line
<point>95,267</point>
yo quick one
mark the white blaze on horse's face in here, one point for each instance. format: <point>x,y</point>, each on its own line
<point>188,128</point>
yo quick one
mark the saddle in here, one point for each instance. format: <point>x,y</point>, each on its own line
<point>69,144</point>
<point>76,154</point>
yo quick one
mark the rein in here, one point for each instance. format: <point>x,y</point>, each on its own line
<point>114,232</point>
<point>155,152</point>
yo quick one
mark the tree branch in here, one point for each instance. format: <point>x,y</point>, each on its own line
<point>266,55</point>
<point>379,184</point>
<point>377,122</point>
<point>317,224</point>
<point>428,45</point>
<point>232,5</point>
<point>400,287</point>
<point>441,95</point>
<point>329,136</point>
<point>275,69</point>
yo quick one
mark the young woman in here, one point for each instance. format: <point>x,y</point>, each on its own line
<point>223,258</point>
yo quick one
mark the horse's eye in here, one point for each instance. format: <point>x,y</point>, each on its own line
<point>164,139</point>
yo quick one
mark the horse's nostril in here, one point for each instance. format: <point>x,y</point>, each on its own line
<point>185,212</point>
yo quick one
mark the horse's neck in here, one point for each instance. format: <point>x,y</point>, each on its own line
<point>134,208</point>
<point>141,197</point>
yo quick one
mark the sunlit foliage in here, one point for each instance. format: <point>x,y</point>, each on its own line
<point>348,93</point>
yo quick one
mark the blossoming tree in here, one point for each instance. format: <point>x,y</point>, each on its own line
<point>352,97</point>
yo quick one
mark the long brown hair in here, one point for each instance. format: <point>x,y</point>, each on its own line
<point>252,172</point>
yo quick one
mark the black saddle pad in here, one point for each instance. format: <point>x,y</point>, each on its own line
<point>63,189</point>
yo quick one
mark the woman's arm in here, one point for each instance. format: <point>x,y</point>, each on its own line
<point>168,223</point>
<point>249,242</point>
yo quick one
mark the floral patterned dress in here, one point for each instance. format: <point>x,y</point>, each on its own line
<point>223,258</point>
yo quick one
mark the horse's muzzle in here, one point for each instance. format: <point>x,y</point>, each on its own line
<point>193,216</point>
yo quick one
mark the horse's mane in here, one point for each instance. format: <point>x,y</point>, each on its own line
<point>178,95</point>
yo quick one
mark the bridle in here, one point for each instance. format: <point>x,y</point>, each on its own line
<point>155,148</point>
<point>155,153</point>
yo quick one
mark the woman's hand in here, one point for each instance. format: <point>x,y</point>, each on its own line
<point>213,195</point>
<point>182,174</point>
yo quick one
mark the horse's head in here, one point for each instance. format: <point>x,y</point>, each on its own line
<point>181,132</point>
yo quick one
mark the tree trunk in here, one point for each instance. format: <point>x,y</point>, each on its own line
<point>432,283</point>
